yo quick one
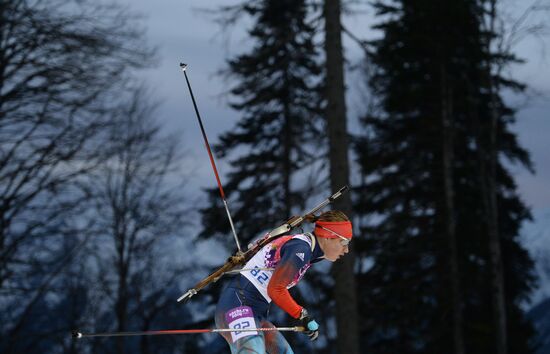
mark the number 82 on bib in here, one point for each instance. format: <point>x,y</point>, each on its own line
<point>240,318</point>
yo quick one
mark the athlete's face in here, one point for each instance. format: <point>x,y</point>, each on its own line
<point>333,248</point>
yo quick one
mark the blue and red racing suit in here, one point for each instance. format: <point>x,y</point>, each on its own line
<point>277,267</point>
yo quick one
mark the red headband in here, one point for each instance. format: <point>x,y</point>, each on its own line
<point>342,228</point>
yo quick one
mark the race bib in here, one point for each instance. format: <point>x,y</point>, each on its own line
<point>240,318</point>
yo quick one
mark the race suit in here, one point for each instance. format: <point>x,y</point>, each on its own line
<point>266,277</point>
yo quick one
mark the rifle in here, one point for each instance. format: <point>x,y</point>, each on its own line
<point>241,258</point>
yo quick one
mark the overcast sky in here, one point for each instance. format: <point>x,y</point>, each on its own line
<point>183,34</point>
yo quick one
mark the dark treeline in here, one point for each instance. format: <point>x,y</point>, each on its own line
<point>433,173</point>
<point>92,211</point>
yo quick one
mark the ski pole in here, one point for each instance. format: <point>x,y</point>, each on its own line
<point>212,162</point>
<point>78,335</point>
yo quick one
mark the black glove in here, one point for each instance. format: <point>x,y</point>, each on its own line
<point>311,327</point>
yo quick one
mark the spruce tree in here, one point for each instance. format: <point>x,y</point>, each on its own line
<point>275,151</point>
<point>278,136</point>
<point>421,158</point>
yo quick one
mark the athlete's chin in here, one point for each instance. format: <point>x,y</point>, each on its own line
<point>338,257</point>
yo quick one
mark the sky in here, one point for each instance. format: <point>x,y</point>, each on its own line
<point>182,33</point>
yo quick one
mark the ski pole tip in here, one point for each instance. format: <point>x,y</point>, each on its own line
<point>76,334</point>
<point>183,66</point>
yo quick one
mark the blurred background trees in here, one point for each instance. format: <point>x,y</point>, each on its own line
<point>86,208</point>
<point>434,174</point>
<point>274,150</point>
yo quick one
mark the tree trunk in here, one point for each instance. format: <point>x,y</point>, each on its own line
<point>489,162</point>
<point>450,220</point>
<point>344,291</point>
<point>497,276</point>
<point>499,298</point>
<point>121,306</point>
<point>121,312</point>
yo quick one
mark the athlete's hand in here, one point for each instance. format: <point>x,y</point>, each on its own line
<point>310,325</point>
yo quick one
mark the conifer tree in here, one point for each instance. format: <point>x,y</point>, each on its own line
<point>277,138</point>
<point>276,150</point>
<point>430,283</point>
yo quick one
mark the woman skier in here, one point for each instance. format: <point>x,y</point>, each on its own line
<point>268,275</point>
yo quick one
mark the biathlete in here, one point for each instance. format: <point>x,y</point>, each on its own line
<point>269,274</point>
